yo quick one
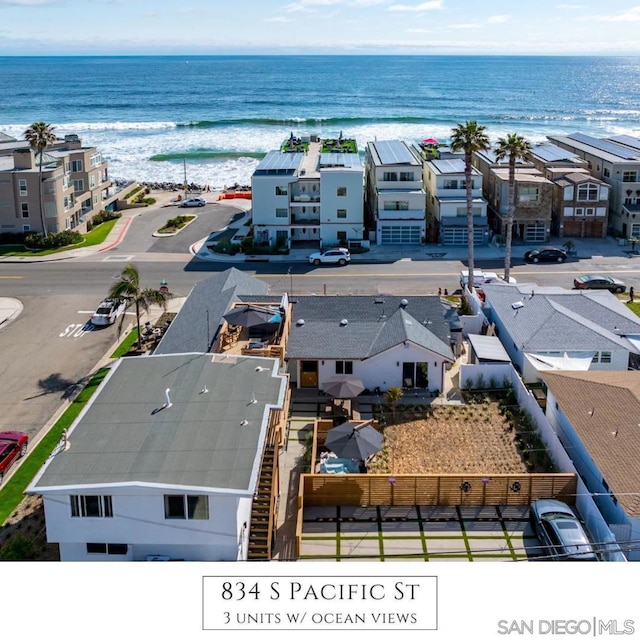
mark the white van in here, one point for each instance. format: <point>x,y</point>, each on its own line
<point>482,277</point>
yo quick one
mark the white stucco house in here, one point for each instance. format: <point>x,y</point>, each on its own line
<point>313,197</point>
<point>546,328</point>
<point>595,415</point>
<point>384,341</point>
<point>164,461</point>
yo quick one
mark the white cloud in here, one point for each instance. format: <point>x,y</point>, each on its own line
<point>424,6</point>
<point>368,3</point>
<point>570,6</point>
<point>497,19</point>
<point>632,15</point>
<point>28,3</point>
<point>279,19</point>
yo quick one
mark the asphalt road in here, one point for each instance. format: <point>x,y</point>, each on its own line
<point>50,349</point>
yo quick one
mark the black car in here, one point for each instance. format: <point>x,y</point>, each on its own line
<point>545,254</point>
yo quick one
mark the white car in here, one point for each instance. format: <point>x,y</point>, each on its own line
<point>482,277</point>
<point>194,202</point>
<point>108,311</point>
<point>331,256</point>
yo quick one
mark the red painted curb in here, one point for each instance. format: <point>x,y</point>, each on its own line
<point>120,236</point>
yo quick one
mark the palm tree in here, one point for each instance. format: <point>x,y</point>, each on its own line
<point>469,137</point>
<point>40,136</point>
<point>127,288</point>
<point>514,147</point>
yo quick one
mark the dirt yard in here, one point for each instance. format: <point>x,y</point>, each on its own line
<point>452,439</point>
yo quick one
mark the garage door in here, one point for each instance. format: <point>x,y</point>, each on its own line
<point>535,233</point>
<point>400,235</point>
<point>458,235</point>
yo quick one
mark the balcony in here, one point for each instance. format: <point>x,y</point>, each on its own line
<point>304,198</point>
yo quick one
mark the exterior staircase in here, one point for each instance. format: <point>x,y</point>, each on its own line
<point>263,511</point>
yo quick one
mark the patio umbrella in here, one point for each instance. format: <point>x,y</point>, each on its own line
<point>249,316</point>
<point>354,441</point>
<point>430,141</point>
<point>343,387</point>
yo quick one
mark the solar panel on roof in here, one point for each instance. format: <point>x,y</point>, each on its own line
<point>628,141</point>
<point>276,161</point>
<point>551,152</point>
<point>455,165</point>
<point>605,145</point>
<point>394,152</point>
<point>340,160</point>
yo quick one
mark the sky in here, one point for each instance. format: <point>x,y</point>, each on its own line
<point>380,27</point>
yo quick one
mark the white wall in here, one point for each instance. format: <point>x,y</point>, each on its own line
<point>138,519</point>
<point>383,370</point>
<point>265,201</point>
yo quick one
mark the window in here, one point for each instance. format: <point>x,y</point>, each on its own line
<point>344,367</point>
<point>282,213</point>
<point>528,194</point>
<point>26,227</point>
<point>607,173</point>
<point>95,160</point>
<point>585,211</point>
<point>341,191</point>
<point>463,184</point>
<point>341,237</point>
<point>111,549</point>
<point>629,176</point>
<point>68,202</point>
<point>390,176</point>
<point>78,185</point>
<point>449,184</point>
<point>76,165</point>
<point>605,357</point>
<point>22,185</point>
<point>180,507</point>
<point>462,211</point>
<point>91,507</point>
<point>406,176</point>
<point>92,182</point>
<point>587,192</point>
<point>24,206</point>
<point>397,205</point>
<point>341,213</point>
<point>281,191</point>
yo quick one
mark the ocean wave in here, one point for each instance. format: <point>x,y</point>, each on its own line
<point>295,121</point>
<point>205,155</point>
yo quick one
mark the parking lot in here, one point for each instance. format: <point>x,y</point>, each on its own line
<point>418,533</point>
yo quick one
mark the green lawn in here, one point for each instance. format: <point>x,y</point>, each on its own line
<point>124,347</point>
<point>94,237</point>
<point>12,491</point>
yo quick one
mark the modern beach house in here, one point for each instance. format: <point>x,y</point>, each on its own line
<point>394,193</point>
<point>616,161</point>
<point>76,185</point>
<point>309,194</point>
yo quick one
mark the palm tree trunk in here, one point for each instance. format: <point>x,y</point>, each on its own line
<point>138,324</point>
<point>510,216</point>
<point>470,255</point>
<point>42,218</point>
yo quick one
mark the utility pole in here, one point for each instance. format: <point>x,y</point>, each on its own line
<point>290,282</point>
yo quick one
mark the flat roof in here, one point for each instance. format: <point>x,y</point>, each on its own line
<point>628,141</point>
<point>453,165</point>
<point>210,436</point>
<point>340,160</point>
<point>488,348</point>
<point>553,153</point>
<point>277,162</point>
<point>601,148</point>
<point>390,152</point>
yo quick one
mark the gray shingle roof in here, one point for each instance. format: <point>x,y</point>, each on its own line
<point>564,320</point>
<point>371,327</point>
<point>195,327</point>
<point>198,441</point>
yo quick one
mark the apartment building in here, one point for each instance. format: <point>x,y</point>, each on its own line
<point>76,185</point>
<point>446,190</point>
<point>534,194</point>
<point>616,161</point>
<point>394,193</point>
<point>309,194</point>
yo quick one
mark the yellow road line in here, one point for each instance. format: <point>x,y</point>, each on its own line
<point>11,277</point>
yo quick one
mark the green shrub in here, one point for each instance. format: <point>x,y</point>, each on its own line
<point>104,216</point>
<point>53,240</point>
<point>19,547</point>
<point>132,192</point>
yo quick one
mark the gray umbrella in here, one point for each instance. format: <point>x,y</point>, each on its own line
<point>354,441</point>
<point>343,387</point>
<point>249,316</point>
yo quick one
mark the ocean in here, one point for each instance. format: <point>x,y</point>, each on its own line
<point>216,116</point>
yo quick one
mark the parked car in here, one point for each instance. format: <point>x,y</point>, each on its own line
<point>108,311</point>
<point>331,256</point>
<point>193,202</point>
<point>560,531</point>
<point>598,281</point>
<point>483,277</point>
<point>546,254</point>
<point>13,445</point>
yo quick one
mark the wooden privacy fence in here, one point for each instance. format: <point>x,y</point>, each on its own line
<point>367,490</point>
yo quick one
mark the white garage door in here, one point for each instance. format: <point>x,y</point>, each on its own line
<point>458,235</point>
<point>400,235</point>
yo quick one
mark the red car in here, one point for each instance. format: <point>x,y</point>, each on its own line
<point>13,445</point>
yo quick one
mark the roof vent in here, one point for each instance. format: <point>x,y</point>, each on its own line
<point>404,302</point>
<point>378,301</point>
<point>344,322</point>
<point>300,322</point>
<point>517,305</point>
<point>261,368</point>
<point>244,423</point>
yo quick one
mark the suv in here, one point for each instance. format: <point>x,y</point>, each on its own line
<point>13,445</point>
<point>560,531</point>
<point>108,311</point>
<point>331,256</point>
